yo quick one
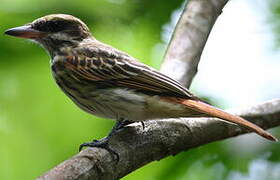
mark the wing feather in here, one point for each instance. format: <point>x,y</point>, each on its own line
<point>119,69</point>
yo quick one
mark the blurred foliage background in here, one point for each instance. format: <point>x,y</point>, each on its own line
<point>40,127</point>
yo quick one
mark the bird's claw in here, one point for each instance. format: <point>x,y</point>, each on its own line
<point>100,144</point>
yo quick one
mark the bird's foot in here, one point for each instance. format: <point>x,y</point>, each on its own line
<point>101,144</point>
<point>104,143</point>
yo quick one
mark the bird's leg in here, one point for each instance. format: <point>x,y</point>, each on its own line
<point>119,125</point>
<point>104,143</point>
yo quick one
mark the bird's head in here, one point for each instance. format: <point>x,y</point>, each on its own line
<point>53,31</point>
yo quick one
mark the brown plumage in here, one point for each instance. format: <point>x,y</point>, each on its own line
<point>109,83</point>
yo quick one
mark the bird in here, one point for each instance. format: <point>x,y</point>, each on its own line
<point>109,83</point>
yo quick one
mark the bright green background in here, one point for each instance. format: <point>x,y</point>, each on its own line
<point>40,126</point>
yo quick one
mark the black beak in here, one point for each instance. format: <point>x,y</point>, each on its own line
<point>25,32</point>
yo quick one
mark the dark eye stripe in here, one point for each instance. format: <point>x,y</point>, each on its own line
<point>52,26</point>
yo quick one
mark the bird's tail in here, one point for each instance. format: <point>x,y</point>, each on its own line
<point>204,108</point>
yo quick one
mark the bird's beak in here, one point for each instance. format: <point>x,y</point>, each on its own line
<point>25,31</point>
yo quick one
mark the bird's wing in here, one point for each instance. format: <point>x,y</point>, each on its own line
<point>115,68</point>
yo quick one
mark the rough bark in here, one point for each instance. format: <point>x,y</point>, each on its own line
<point>137,146</point>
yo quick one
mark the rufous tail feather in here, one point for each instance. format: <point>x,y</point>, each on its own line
<point>204,108</point>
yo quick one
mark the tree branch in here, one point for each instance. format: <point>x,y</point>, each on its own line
<point>137,146</point>
<point>189,38</point>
